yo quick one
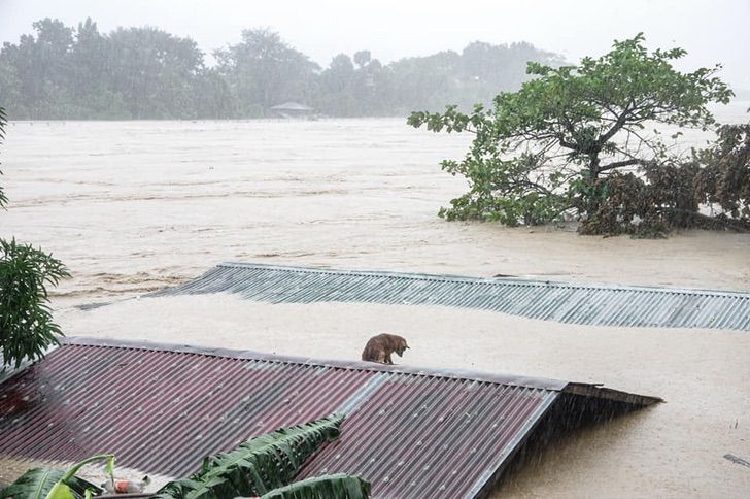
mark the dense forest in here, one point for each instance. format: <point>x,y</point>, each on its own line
<point>62,72</point>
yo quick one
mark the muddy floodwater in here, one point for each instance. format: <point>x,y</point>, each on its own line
<point>131,207</point>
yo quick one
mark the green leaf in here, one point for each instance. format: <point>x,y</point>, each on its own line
<point>257,466</point>
<point>41,483</point>
<point>61,491</point>
<point>338,486</point>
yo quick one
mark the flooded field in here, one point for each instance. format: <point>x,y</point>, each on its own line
<point>131,207</point>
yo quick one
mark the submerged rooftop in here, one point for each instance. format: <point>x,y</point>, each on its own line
<point>411,432</point>
<point>573,303</point>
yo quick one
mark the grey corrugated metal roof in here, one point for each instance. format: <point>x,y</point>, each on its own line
<point>413,433</point>
<point>535,299</point>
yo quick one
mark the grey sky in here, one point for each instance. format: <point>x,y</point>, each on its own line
<point>712,31</point>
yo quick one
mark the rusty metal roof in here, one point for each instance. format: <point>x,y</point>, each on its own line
<point>624,306</point>
<point>162,408</point>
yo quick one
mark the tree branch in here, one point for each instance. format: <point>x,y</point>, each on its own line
<point>620,164</point>
<point>621,119</point>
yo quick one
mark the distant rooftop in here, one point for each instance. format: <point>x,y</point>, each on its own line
<point>413,433</point>
<point>566,302</point>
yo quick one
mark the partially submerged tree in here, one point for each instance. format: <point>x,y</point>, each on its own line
<point>561,143</point>
<point>26,326</point>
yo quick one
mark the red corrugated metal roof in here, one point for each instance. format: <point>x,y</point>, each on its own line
<point>162,408</point>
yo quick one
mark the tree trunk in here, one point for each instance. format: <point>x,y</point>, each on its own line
<point>594,163</point>
<point>593,201</point>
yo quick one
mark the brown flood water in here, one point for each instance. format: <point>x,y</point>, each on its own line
<point>132,207</point>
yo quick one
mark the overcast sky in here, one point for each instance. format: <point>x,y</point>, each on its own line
<point>712,31</point>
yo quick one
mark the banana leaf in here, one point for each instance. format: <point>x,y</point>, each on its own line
<point>338,486</point>
<point>256,466</point>
<point>40,483</point>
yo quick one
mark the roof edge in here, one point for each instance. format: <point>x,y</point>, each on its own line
<point>490,480</point>
<point>600,392</point>
<point>503,379</point>
<point>9,371</point>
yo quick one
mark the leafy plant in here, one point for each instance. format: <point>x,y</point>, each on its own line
<point>339,485</point>
<point>552,146</point>
<point>26,324</point>
<point>45,483</point>
<point>257,466</point>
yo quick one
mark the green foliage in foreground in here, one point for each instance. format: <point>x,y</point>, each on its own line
<point>334,486</point>
<point>565,141</point>
<point>26,323</point>
<point>44,483</point>
<point>38,483</point>
<point>261,465</point>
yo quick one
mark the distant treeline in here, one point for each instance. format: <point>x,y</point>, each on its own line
<point>62,72</point>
